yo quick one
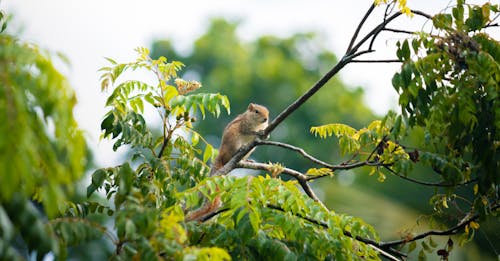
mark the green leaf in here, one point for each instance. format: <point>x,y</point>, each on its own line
<point>422,256</point>
<point>426,247</point>
<point>405,50</point>
<point>476,19</point>
<point>43,149</point>
<point>255,219</point>
<point>319,172</point>
<point>195,138</point>
<point>432,243</point>
<point>348,136</point>
<point>98,178</point>
<point>6,226</point>
<point>442,21</point>
<point>336,129</point>
<point>209,152</point>
<point>204,101</point>
<point>169,93</point>
<point>458,14</point>
<point>113,62</point>
<point>126,179</point>
<point>76,231</point>
<point>412,246</point>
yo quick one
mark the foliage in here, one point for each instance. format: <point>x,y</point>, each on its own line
<point>266,217</point>
<point>42,150</point>
<point>401,5</point>
<point>149,200</point>
<point>448,87</point>
<point>46,150</point>
<point>271,71</point>
<point>370,146</point>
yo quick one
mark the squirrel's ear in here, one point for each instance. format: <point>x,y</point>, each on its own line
<point>250,106</point>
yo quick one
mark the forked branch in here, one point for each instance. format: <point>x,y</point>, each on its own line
<point>351,53</point>
<point>301,178</point>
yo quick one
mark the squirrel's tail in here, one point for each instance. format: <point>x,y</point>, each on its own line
<point>208,207</point>
<point>204,211</point>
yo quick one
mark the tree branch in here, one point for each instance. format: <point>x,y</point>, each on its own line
<point>398,31</point>
<point>384,246</point>
<point>345,166</point>
<point>417,12</point>
<point>302,99</point>
<point>373,33</point>
<point>360,25</point>
<point>213,214</point>
<point>301,178</point>
<point>165,142</point>
<point>451,231</point>
<point>389,254</point>
<point>231,164</point>
<point>346,59</point>
<point>342,166</point>
<point>297,149</point>
<point>377,61</point>
<point>167,135</point>
<point>430,184</point>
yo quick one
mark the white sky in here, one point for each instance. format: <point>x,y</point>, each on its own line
<point>87,31</point>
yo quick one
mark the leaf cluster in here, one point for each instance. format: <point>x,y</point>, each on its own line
<point>42,150</point>
<point>266,217</point>
<point>449,87</point>
<point>148,199</point>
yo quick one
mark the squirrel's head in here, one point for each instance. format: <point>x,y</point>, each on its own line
<point>258,113</point>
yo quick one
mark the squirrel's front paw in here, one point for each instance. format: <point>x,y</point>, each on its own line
<point>262,135</point>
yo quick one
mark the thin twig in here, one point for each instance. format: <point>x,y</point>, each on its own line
<point>398,31</point>
<point>360,25</point>
<point>377,61</point>
<point>213,214</point>
<point>451,231</point>
<point>297,149</point>
<point>417,12</point>
<point>167,134</point>
<point>342,166</point>
<point>375,32</point>
<point>430,184</point>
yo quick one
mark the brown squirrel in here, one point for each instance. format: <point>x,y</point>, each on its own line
<point>240,132</point>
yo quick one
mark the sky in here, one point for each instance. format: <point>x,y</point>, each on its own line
<point>87,31</point>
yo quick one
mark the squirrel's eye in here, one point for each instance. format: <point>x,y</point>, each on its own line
<point>256,111</point>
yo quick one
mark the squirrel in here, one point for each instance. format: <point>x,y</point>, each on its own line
<point>240,132</point>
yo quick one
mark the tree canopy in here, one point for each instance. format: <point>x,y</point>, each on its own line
<point>448,88</point>
<point>42,150</point>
